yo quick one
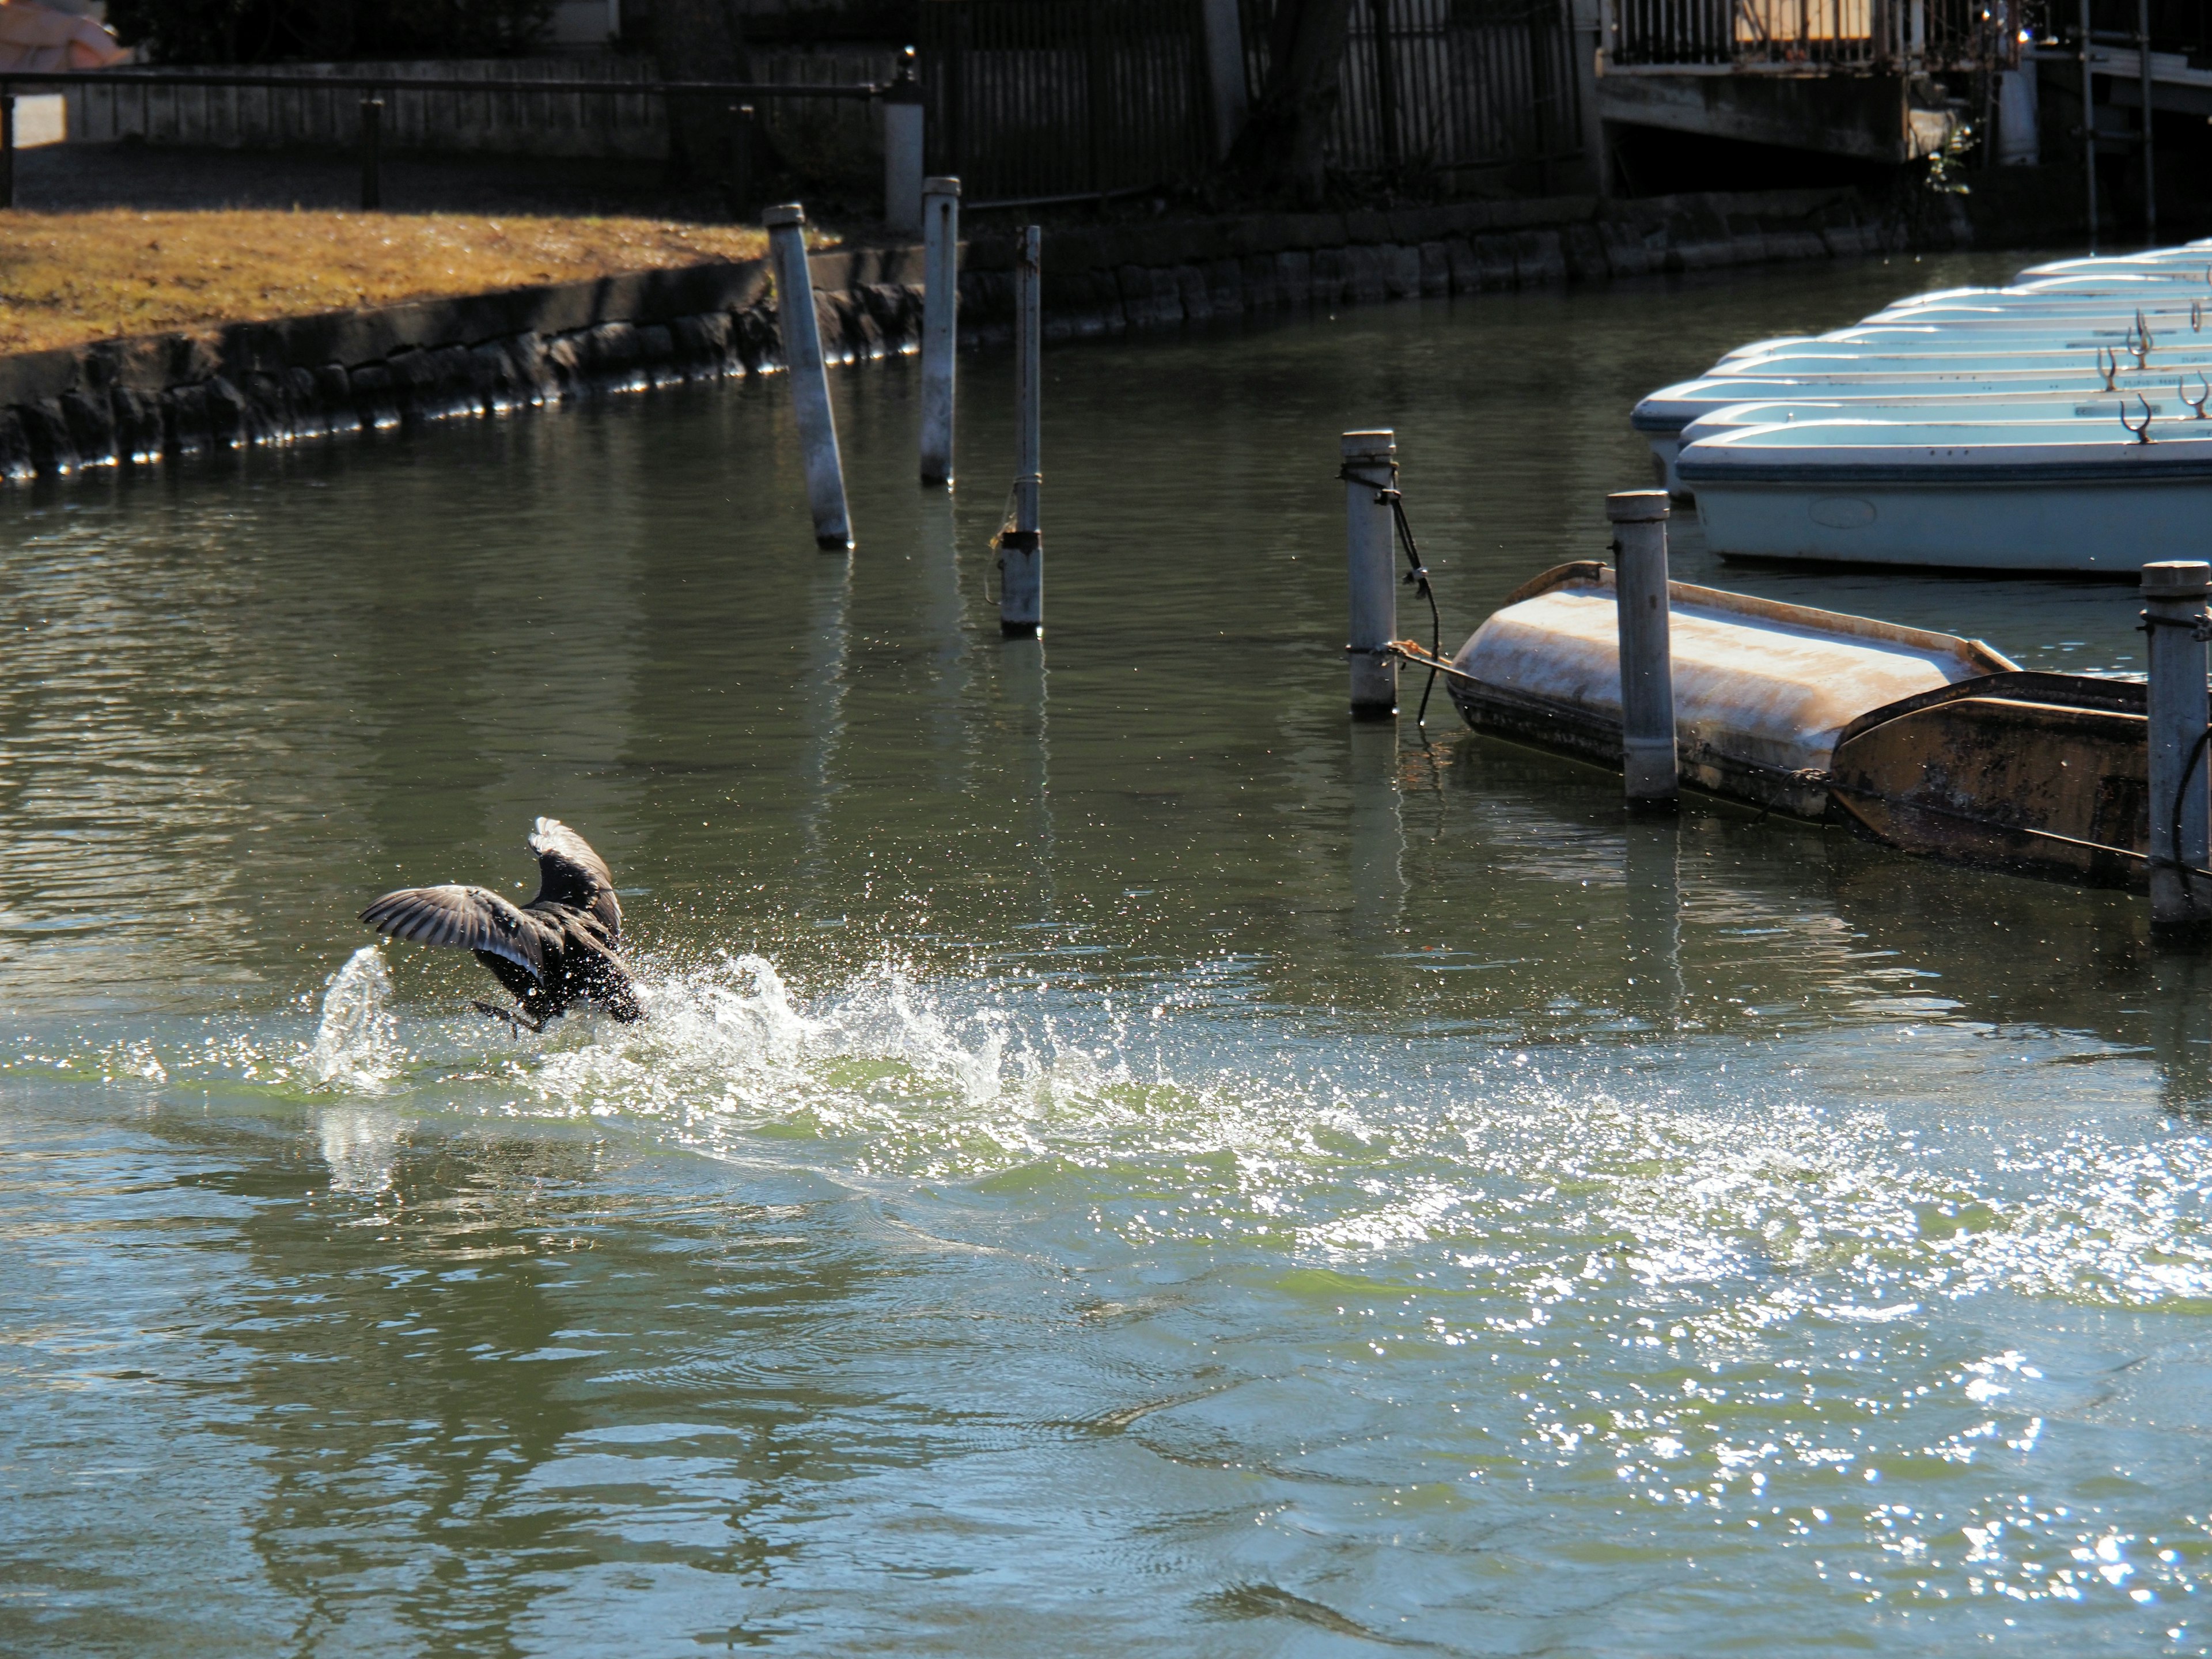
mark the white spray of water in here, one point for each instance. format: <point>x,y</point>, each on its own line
<point>357,1045</point>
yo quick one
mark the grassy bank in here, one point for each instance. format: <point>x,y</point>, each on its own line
<point>68,278</point>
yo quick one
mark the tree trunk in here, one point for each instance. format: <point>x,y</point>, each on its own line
<point>1279,150</point>
<point>699,41</point>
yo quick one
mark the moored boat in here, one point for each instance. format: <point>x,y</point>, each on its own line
<point>2026,497</point>
<point>1922,741</point>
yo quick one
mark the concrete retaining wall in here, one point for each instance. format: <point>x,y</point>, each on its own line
<point>140,401</point>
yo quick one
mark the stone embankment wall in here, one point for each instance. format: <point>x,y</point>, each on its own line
<point>1105,280</point>
<point>140,401</point>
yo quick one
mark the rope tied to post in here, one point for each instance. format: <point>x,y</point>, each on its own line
<point>2200,630</point>
<point>1417,573</point>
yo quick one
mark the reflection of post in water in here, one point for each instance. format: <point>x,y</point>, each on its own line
<point>2181,1032</point>
<point>944,624</point>
<point>1026,679</point>
<point>1378,828</point>
<point>1652,927</point>
<point>820,700</point>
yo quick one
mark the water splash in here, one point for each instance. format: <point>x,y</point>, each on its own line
<point>357,1045</point>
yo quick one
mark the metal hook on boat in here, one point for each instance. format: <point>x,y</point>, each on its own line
<point>2141,344</point>
<point>2181,391</point>
<point>2108,365</point>
<point>2141,433</point>
<point>2196,316</point>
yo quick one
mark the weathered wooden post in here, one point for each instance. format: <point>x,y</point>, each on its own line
<point>2174,615</point>
<point>371,152</point>
<point>810,380</point>
<point>1021,550</point>
<point>1648,768</point>
<point>940,324</point>
<point>902,136</point>
<point>1369,470</point>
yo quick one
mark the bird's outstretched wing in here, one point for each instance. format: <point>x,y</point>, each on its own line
<point>470,917</point>
<point>570,873</point>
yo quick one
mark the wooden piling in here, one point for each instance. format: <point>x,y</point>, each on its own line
<point>940,324</point>
<point>1650,772</point>
<point>2174,620</point>
<point>809,379</point>
<point>1021,550</point>
<point>1370,469</point>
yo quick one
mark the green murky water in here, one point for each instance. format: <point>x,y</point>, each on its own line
<point>1120,1160</point>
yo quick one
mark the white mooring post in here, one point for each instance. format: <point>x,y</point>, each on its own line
<point>2173,617</point>
<point>940,324</point>
<point>809,381</point>
<point>903,164</point>
<point>1648,768</point>
<point>1371,467</point>
<point>1021,550</point>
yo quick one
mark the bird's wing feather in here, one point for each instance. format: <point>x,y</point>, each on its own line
<point>470,918</point>
<point>570,873</point>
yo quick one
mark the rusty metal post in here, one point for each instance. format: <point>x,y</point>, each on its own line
<point>1021,550</point>
<point>1649,773</point>
<point>1370,469</point>
<point>372,153</point>
<point>2174,615</point>
<point>940,322</point>
<point>810,379</point>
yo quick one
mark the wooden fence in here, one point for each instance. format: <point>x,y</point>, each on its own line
<point>1029,100</point>
<point>1033,100</point>
<point>1446,85</point>
<point>827,140</point>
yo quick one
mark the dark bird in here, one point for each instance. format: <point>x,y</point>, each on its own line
<point>561,946</point>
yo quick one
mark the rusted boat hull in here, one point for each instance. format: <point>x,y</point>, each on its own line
<point>1922,742</point>
<point>2040,773</point>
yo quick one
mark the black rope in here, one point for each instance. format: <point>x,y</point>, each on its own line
<point>2181,794</point>
<point>1417,573</point>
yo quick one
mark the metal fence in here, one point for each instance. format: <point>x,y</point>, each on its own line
<point>1904,36</point>
<point>1445,85</point>
<point>1028,102</point>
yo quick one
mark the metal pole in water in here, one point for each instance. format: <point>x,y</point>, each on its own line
<point>1647,767</point>
<point>940,322</point>
<point>1370,469</point>
<point>2173,592</point>
<point>809,381</point>
<point>2150,169</point>
<point>2089,124</point>
<point>902,163</point>
<point>1021,550</point>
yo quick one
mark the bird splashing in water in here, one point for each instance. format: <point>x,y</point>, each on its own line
<point>560,947</point>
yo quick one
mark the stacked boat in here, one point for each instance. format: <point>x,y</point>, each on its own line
<point>2059,422</point>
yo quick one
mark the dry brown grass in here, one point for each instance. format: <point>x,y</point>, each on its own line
<point>67,278</point>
